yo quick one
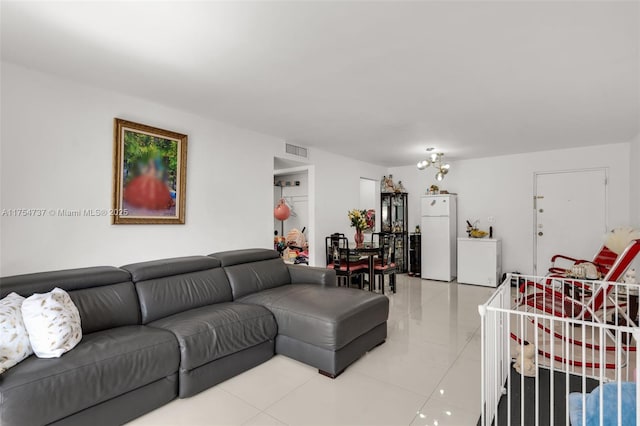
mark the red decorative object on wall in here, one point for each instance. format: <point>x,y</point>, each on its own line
<point>282,211</point>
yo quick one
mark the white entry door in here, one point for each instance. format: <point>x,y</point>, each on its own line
<point>570,216</point>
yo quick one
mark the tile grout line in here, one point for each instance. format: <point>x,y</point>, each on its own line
<point>285,395</point>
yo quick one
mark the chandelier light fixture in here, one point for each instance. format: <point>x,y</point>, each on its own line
<point>435,160</point>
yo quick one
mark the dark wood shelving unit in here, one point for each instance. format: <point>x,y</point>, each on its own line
<point>393,210</point>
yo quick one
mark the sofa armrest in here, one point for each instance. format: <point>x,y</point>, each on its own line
<point>312,275</point>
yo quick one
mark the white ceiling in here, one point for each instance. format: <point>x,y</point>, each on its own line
<point>378,81</point>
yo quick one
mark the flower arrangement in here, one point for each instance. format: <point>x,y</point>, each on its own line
<point>362,220</point>
<point>371,219</point>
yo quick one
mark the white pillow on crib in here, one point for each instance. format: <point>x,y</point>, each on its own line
<point>14,339</point>
<point>53,323</point>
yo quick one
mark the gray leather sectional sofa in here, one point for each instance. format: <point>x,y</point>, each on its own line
<point>156,330</point>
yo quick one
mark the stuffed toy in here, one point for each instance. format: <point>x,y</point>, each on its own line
<point>296,238</point>
<point>630,277</point>
<point>609,392</point>
<point>618,239</point>
<point>525,364</point>
<point>584,270</point>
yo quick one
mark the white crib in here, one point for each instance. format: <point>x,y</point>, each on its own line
<point>572,356</point>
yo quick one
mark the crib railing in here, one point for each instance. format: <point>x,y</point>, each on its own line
<point>570,356</point>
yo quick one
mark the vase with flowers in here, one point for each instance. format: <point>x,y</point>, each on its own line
<point>362,220</point>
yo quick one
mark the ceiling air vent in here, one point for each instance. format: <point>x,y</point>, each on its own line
<point>296,150</point>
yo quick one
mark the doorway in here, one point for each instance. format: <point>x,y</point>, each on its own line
<point>368,194</point>
<point>295,183</point>
<point>570,215</point>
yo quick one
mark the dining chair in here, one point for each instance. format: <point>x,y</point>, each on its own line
<point>338,259</point>
<point>385,263</point>
<point>330,247</point>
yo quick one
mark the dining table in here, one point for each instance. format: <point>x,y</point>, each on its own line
<point>369,250</point>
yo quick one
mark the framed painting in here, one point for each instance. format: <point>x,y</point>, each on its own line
<point>150,174</point>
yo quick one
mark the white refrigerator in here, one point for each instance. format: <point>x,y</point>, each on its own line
<point>439,237</point>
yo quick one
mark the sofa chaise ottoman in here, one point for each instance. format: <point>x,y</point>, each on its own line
<point>324,326</point>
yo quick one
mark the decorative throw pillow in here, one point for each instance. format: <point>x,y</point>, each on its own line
<point>14,339</point>
<point>53,323</point>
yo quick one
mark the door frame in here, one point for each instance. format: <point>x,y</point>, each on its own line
<point>315,258</point>
<point>535,209</point>
<point>376,201</point>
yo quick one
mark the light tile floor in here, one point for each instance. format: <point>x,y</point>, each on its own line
<point>427,373</point>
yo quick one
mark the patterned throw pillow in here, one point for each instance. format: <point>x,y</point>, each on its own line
<point>53,323</point>
<point>14,339</point>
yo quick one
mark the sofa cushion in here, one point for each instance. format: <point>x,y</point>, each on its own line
<point>328,317</point>
<point>253,270</point>
<point>237,257</point>
<point>104,295</point>
<point>303,274</point>
<point>104,365</point>
<point>169,286</point>
<point>107,307</point>
<point>143,271</point>
<point>211,332</point>
<point>67,279</point>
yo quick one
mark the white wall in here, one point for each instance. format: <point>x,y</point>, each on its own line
<point>337,192</point>
<point>57,147</point>
<point>502,187</point>
<point>56,153</point>
<point>634,167</point>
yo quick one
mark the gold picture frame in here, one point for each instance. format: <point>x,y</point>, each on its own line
<point>149,174</point>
